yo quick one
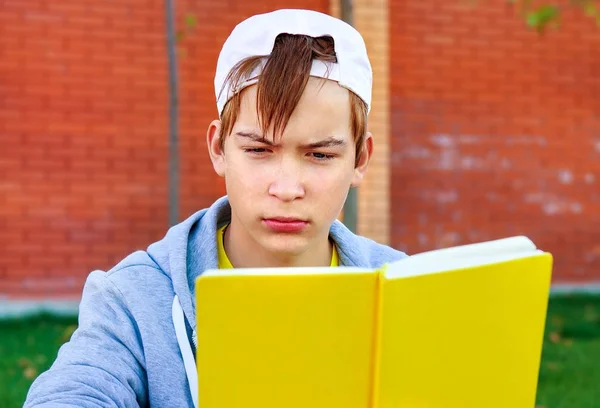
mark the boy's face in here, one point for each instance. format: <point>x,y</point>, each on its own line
<point>285,194</point>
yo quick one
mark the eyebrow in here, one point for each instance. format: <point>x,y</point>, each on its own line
<point>328,142</point>
<point>255,137</point>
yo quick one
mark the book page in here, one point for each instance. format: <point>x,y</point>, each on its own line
<point>463,256</point>
<point>320,270</point>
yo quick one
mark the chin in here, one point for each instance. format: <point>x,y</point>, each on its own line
<point>284,244</point>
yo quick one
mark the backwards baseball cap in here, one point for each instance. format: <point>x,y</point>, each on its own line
<point>256,36</point>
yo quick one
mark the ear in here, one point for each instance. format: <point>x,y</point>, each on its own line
<point>366,151</point>
<point>216,153</point>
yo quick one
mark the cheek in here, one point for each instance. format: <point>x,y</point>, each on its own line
<point>329,189</point>
<point>242,177</point>
<point>241,187</point>
<point>328,181</point>
<point>336,177</point>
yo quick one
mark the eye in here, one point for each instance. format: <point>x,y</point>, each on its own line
<point>256,150</point>
<point>322,156</point>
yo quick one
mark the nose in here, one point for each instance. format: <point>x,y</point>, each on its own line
<point>287,184</point>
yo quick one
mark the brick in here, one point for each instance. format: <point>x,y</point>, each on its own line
<point>10,14</point>
<point>109,10</point>
<point>90,21</point>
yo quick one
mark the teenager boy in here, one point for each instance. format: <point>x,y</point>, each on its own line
<point>293,90</point>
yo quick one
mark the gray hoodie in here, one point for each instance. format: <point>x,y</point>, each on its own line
<point>134,345</point>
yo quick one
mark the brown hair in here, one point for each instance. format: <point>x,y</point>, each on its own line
<point>281,84</point>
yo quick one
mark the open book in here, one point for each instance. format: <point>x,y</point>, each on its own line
<point>459,327</point>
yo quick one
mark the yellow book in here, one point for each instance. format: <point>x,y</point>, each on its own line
<point>459,327</point>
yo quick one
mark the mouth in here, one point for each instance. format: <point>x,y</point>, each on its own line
<point>285,224</point>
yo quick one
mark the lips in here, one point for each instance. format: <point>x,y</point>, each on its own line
<point>285,224</point>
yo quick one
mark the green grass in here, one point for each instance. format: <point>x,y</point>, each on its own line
<point>28,347</point>
<point>569,374</point>
<point>570,370</point>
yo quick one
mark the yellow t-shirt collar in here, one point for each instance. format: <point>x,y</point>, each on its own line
<point>225,263</point>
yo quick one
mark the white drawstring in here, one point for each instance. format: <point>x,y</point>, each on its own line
<point>186,350</point>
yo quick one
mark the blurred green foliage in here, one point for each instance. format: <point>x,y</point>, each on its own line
<point>543,15</point>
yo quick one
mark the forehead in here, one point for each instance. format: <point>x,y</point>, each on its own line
<point>323,111</point>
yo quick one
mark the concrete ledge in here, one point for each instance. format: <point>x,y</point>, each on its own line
<point>17,309</point>
<point>560,289</point>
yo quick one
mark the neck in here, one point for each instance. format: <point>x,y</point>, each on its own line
<point>244,252</point>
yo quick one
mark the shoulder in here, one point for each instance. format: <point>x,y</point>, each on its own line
<point>135,260</point>
<point>357,250</point>
<point>379,254</point>
<point>135,278</point>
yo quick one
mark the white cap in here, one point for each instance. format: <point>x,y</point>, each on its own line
<point>256,36</point>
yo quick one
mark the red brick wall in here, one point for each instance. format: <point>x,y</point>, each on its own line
<point>495,131</point>
<point>84,131</point>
